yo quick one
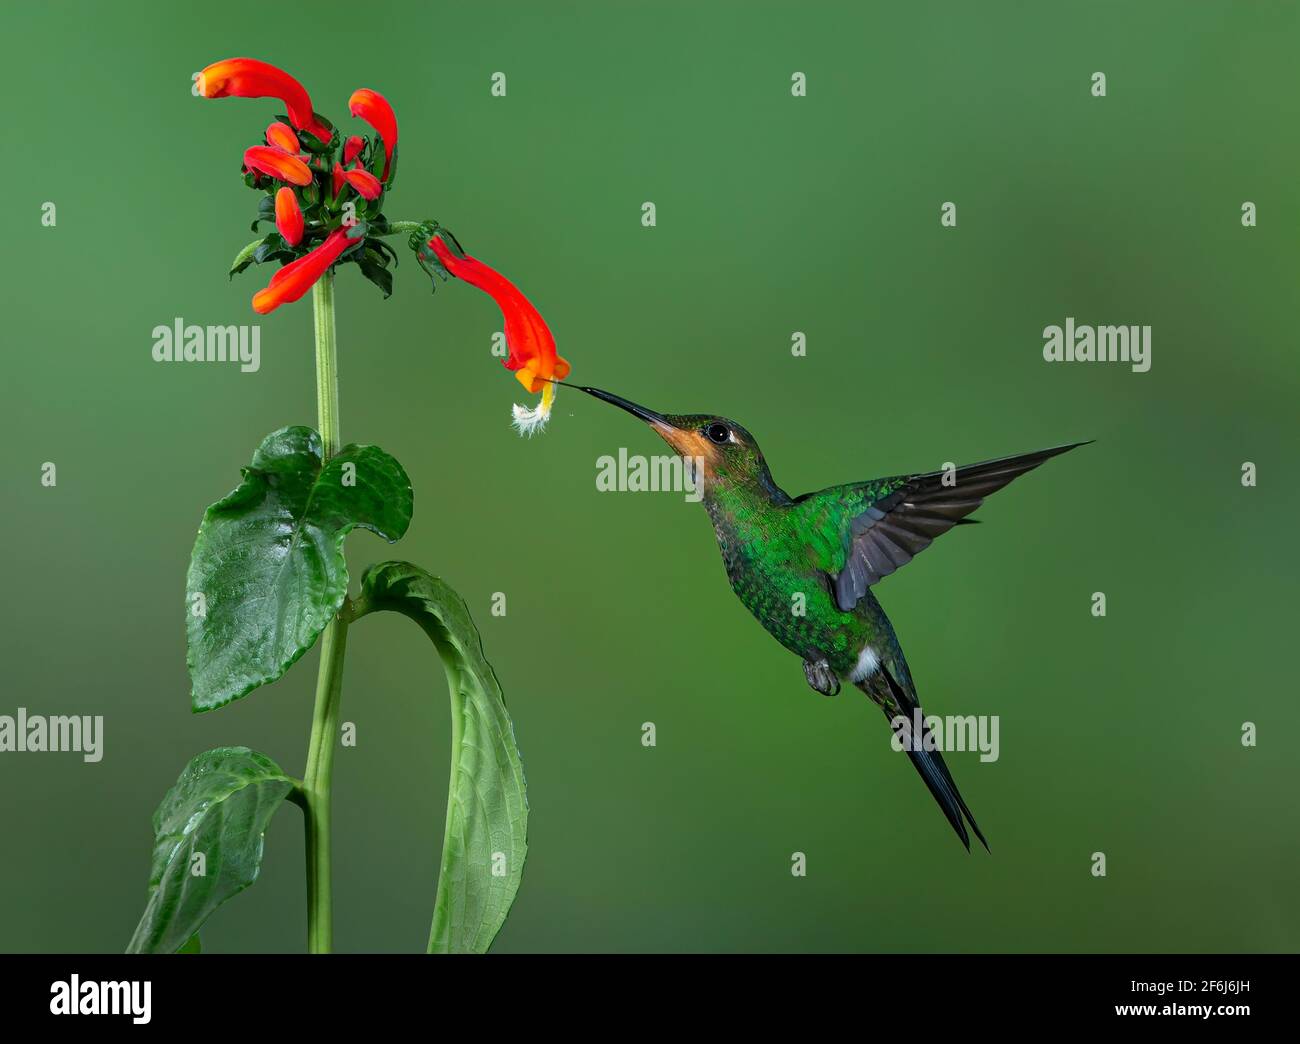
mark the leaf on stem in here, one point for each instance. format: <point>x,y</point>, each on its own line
<point>267,572</point>
<point>487,805</point>
<point>207,844</point>
<point>245,257</point>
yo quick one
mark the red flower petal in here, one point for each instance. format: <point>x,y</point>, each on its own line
<point>250,78</point>
<point>528,338</point>
<point>297,277</point>
<point>372,107</point>
<point>352,148</point>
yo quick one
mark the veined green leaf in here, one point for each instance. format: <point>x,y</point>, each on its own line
<point>267,572</point>
<point>485,839</point>
<point>207,844</point>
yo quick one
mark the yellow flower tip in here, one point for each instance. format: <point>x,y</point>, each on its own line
<point>527,376</point>
<point>530,422</point>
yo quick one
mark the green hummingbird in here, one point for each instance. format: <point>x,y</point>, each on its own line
<point>804,566</point>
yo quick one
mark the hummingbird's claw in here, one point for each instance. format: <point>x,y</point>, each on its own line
<point>821,677</point>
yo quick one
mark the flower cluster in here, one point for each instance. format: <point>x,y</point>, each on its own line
<point>324,194</point>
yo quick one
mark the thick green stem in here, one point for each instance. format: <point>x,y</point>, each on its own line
<point>316,784</point>
<point>329,678</point>
<point>327,364</point>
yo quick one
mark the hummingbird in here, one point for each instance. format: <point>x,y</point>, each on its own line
<point>822,553</point>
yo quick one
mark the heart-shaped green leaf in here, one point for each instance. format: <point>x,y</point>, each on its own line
<point>267,572</point>
<point>207,843</point>
<point>486,833</point>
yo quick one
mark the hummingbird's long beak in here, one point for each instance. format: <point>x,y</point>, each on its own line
<point>649,416</point>
<point>687,443</point>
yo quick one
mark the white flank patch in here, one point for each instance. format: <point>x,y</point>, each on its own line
<point>867,665</point>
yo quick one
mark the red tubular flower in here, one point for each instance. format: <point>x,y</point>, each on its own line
<point>281,137</point>
<point>297,277</point>
<point>364,182</point>
<point>249,78</point>
<point>372,107</point>
<point>528,338</point>
<point>277,164</point>
<point>337,184</point>
<point>288,216</point>
<point>352,148</point>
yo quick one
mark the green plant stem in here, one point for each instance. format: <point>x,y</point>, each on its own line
<point>329,678</point>
<point>327,365</point>
<point>399,228</point>
<point>316,785</point>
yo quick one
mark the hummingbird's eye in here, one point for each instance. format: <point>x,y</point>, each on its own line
<point>719,433</point>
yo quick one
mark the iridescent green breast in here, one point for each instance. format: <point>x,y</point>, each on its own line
<point>773,572</point>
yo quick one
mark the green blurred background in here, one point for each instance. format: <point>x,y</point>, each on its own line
<point>775,214</point>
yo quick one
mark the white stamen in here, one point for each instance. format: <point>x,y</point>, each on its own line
<point>530,422</point>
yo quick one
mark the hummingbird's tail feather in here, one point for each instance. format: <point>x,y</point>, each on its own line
<point>901,710</point>
<point>929,764</point>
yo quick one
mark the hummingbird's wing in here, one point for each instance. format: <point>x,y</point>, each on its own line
<point>864,531</point>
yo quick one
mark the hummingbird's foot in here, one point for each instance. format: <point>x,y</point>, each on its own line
<point>821,677</point>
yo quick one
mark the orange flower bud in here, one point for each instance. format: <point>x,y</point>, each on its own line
<point>277,164</point>
<point>366,184</point>
<point>288,215</point>
<point>282,137</point>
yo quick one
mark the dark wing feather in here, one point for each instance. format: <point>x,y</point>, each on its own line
<point>884,524</point>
